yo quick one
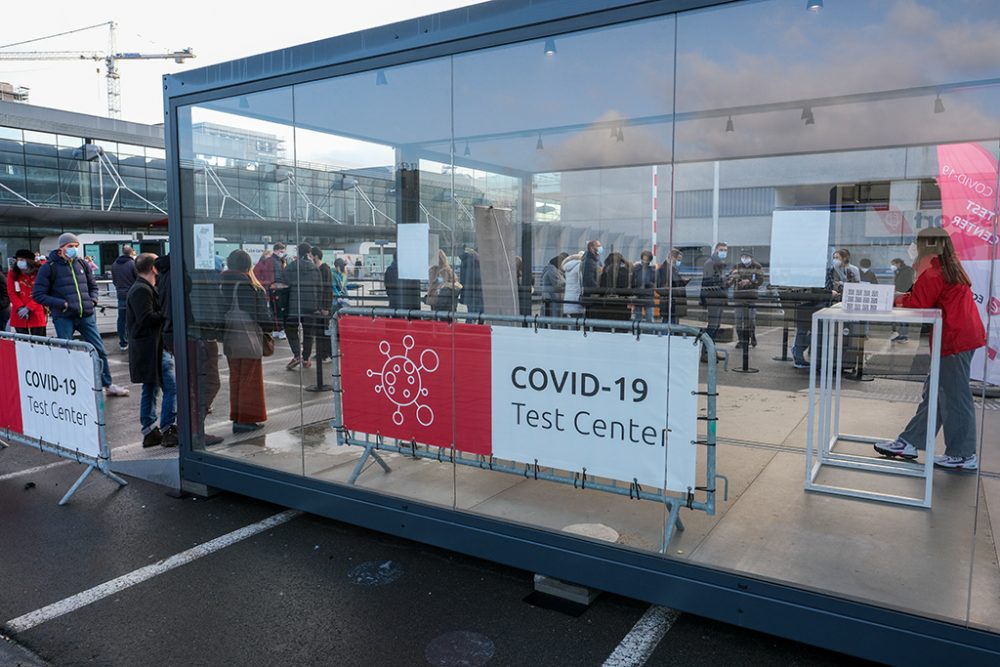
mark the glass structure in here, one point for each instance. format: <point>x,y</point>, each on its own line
<point>503,388</point>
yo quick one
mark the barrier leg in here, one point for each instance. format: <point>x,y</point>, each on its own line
<point>673,521</point>
<point>76,484</point>
<point>114,477</point>
<point>359,467</point>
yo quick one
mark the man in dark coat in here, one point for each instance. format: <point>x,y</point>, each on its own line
<point>66,286</point>
<point>590,273</point>
<point>304,296</point>
<point>122,276</point>
<point>147,362</point>
<point>713,287</point>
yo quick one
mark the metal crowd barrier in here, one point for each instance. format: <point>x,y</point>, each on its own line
<point>702,497</point>
<point>102,460</point>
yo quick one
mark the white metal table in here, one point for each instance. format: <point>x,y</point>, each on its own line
<point>824,399</point>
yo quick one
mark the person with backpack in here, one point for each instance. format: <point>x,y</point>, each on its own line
<point>67,286</point>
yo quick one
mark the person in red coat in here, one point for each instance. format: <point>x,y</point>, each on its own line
<point>942,283</point>
<point>27,316</point>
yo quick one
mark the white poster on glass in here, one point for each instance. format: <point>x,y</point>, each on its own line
<point>800,241</point>
<point>413,250</point>
<point>204,246</point>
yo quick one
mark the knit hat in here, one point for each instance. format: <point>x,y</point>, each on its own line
<point>68,237</point>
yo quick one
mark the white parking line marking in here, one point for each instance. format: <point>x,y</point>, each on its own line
<point>74,602</point>
<point>635,649</point>
<point>29,471</point>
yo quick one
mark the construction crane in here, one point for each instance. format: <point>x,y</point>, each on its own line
<point>110,58</point>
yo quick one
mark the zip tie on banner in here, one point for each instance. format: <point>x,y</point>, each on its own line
<point>413,447</point>
<point>379,440</point>
<point>576,476</point>
<point>704,488</point>
<point>636,329</point>
<point>536,323</point>
<point>492,459</point>
<point>536,470</point>
<point>704,393</point>
<point>638,489</point>
<point>708,419</point>
<point>690,499</point>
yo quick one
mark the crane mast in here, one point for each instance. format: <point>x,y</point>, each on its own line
<point>110,58</point>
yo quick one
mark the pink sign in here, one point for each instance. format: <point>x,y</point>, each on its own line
<point>968,181</point>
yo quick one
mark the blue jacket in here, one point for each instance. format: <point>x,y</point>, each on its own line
<point>123,274</point>
<point>67,290</point>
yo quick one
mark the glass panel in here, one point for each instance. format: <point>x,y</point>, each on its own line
<point>360,176</point>
<point>11,133</point>
<point>229,206</point>
<point>560,145</point>
<point>811,149</point>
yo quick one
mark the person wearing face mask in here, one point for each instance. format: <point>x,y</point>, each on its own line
<point>841,271</point>
<point>643,283</point>
<point>745,279</point>
<point>671,285</point>
<point>713,287</point>
<point>148,364</point>
<point>67,287</point>
<point>27,315</point>
<point>273,272</point>
<point>943,283</point>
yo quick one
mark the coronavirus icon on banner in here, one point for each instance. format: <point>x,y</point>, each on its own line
<point>409,380</point>
<point>402,380</point>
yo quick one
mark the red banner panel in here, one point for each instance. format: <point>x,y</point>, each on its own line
<point>10,388</point>
<point>410,379</point>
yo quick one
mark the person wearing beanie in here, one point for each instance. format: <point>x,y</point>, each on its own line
<point>67,287</point>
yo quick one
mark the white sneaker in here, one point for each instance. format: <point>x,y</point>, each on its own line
<point>115,390</point>
<point>898,447</point>
<point>957,462</point>
<point>279,335</point>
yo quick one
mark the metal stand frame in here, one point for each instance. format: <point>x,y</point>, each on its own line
<point>824,396</point>
<point>100,463</point>
<point>673,502</point>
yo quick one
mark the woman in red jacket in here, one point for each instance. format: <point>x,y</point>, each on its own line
<point>942,283</point>
<point>27,316</point>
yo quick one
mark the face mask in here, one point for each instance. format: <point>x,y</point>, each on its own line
<point>838,262</point>
<point>894,268</point>
<point>72,252</point>
<point>723,254</point>
<point>745,261</point>
<point>22,264</point>
<point>38,258</point>
<point>912,251</point>
<point>280,254</point>
<point>600,250</point>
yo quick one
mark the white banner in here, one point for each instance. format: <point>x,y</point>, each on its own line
<point>599,402</point>
<point>56,387</point>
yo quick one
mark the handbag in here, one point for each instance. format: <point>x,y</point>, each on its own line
<point>267,347</point>
<point>243,338</point>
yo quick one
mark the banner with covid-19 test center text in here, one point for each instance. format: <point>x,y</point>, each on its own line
<point>47,394</point>
<point>616,405</point>
<point>967,179</point>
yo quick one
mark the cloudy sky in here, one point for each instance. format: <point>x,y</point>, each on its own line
<point>217,31</point>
